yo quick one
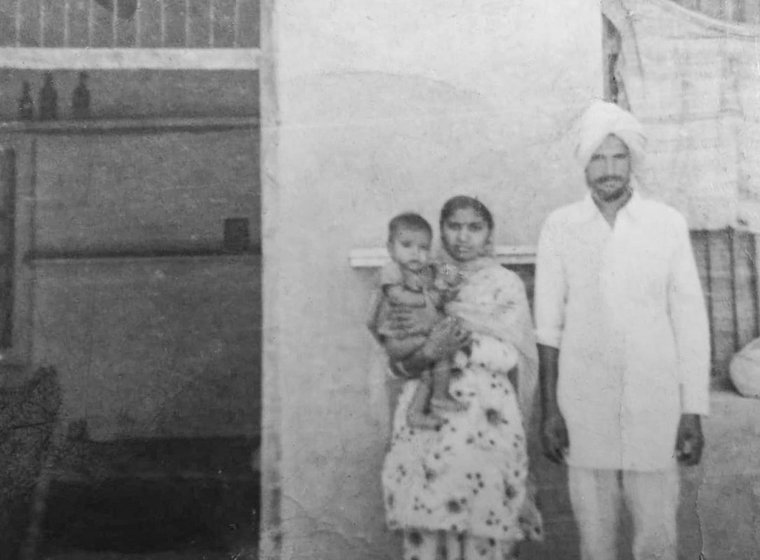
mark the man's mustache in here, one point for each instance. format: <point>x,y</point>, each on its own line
<point>606,178</point>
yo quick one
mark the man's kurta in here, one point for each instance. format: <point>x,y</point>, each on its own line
<point>625,308</point>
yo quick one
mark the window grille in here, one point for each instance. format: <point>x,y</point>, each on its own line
<point>129,23</point>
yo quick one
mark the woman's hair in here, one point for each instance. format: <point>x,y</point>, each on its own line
<point>463,202</point>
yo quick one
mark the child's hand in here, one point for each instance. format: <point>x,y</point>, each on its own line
<point>450,276</point>
<point>447,282</point>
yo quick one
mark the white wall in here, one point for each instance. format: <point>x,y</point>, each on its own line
<point>373,108</point>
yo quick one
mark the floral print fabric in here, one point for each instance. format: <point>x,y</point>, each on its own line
<point>469,477</point>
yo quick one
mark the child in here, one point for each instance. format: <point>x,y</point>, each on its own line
<point>413,282</point>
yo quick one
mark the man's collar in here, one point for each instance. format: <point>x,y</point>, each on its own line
<point>632,209</point>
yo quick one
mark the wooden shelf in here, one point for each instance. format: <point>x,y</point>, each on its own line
<point>131,125</point>
<point>123,256</point>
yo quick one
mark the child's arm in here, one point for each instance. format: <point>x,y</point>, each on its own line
<point>400,344</point>
<point>398,295</point>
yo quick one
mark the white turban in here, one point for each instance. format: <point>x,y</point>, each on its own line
<point>602,119</point>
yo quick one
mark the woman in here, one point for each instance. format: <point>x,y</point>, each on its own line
<point>461,492</point>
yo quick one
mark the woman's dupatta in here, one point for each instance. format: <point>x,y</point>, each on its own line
<point>506,316</point>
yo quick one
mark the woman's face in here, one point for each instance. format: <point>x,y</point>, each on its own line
<point>465,235</point>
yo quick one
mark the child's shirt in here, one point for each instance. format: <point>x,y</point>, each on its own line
<point>394,292</point>
<point>424,294</point>
<point>441,281</point>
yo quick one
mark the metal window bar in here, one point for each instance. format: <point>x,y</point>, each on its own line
<point>188,22</point>
<point>90,22</point>
<point>138,24</point>
<point>741,11</point>
<point>18,22</point>
<point>34,30</point>
<point>236,24</point>
<point>115,24</point>
<point>42,23</point>
<point>66,28</point>
<point>710,306</point>
<point>162,3</point>
<point>732,235</point>
<point>729,265</point>
<point>211,23</point>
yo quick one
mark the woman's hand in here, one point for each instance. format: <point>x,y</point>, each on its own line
<point>445,338</point>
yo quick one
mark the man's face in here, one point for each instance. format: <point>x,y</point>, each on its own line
<point>608,172</point>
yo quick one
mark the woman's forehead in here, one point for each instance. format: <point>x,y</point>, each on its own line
<point>464,216</point>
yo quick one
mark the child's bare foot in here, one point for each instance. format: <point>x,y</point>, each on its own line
<point>423,421</point>
<point>447,403</point>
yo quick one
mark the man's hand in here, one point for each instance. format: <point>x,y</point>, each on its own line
<point>554,437</point>
<point>553,428</point>
<point>690,441</point>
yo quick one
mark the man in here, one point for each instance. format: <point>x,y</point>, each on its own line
<point>623,346</point>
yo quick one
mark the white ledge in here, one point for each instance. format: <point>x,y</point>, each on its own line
<point>36,58</point>
<point>376,257</point>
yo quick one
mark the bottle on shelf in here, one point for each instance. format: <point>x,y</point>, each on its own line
<point>80,99</point>
<point>25,103</point>
<point>48,99</point>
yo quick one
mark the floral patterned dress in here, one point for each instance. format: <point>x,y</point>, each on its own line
<point>470,477</point>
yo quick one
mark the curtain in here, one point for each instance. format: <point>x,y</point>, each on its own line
<point>694,82</point>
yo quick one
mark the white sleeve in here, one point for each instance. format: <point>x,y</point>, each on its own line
<point>550,287</point>
<point>688,316</point>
